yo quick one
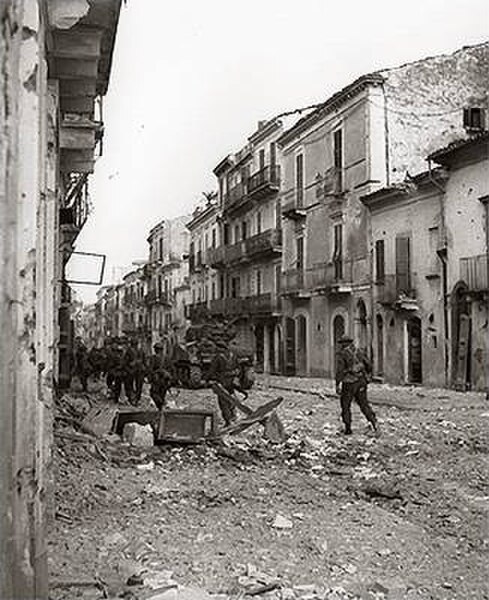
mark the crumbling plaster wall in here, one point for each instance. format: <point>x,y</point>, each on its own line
<point>425,101</point>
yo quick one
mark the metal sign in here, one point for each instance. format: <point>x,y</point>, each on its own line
<point>81,265</point>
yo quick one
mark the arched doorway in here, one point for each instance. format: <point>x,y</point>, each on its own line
<point>415,369</point>
<point>289,366</point>
<point>379,324</point>
<point>338,333</point>
<point>461,337</point>
<point>301,323</point>
<point>361,325</point>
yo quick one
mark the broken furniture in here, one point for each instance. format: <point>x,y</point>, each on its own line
<point>187,426</point>
<point>265,415</point>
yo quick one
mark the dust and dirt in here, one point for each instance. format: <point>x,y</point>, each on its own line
<point>320,516</point>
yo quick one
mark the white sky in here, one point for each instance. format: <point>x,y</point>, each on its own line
<point>191,78</point>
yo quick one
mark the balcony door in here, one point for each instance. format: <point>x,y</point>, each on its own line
<point>289,346</point>
<point>415,371</point>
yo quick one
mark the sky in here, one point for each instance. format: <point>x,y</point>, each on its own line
<point>190,80</point>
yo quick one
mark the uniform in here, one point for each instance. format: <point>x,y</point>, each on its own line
<point>159,376</point>
<point>137,368</point>
<point>353,372</point>
<point>81,365</point>
<point>119,373</point>
<point>225,370</point>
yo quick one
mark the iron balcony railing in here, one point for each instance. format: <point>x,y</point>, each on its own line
<point>266,179</point>
<point>293,281</point>
<point>474,272</point>
<point>268,240</point>
<point>262,303</point>
<point>395,288</point>
<point>152,297</point>
<point>235,195</point>
<point>327,275</point>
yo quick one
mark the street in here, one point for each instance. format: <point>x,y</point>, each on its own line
<point>321,516</point>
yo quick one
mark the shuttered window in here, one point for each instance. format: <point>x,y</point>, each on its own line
<point>379,261</point>
<point>403,266</point>
<point>299,179</point>
<point>338,251</point>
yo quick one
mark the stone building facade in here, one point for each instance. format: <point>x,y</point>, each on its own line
<point>204,238</point>
<point>248,257</point>
<point>374,133</point>
<point>55,59</point>
<point>167,278</point>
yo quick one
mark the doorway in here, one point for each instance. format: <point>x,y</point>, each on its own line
<point>415,370</point>
<point>461,338</point>
<point>259,346</point>
<point>338,333</point>
<point>361,325</point>
<point>301,345</point>
<point>289,366</point>
<point>380,345</point>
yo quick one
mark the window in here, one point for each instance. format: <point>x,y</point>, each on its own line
<point>403,264</point>
<point>236,234</point>
<point>235,287</point>
<point>338,251</point>
<point>258,282</point>
<point>160,253</point>
<point>261,159</point>
<point>273,154</point>
<point>299,263</point>
<point>214,237</point>
<point>278,279</point>
<point>278,215</point>
<point>258,222</point>
<point>244,231</point>
<point>213,290</point>
<point>379,261</point>
<point>225,234</point>
<point>474,118</point>
<point>338,158</point>
<point>206,240</point>
<point>299,180</point>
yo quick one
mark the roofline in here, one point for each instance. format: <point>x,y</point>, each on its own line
<point>448,155</point>
<point>331,104</point>
<point>426,179</point>
<point>224,163</point>
<point>207,211</point>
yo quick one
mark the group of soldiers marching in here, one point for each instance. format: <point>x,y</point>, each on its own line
<point>126,366</point>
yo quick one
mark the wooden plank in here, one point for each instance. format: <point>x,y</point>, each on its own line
<point>257,416</point>
<point>76,137</point>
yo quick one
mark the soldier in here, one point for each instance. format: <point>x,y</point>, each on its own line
<point>353,372</point>
<point>136,359</point>
<point>159,376</point>
<point>224,369</point>
<point>118,372</point>
<point>80,363</point>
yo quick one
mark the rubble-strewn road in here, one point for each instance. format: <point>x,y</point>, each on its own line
<point>402,516</point>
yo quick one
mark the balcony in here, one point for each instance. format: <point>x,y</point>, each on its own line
<point>474,271</point>
<point>215,256</point>
<point>235,196</point>
<point>267,242</point>
<point>153,298</point>
<point>226,306</point>
<point>397,291</point>
<point>264,182</point>
<point>262,303</point>
<point>334,277</point>
<point>293,205</point>
<point>293,282</point>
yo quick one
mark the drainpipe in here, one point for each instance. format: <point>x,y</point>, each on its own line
<point>386,134</point>
<point>442,255</point>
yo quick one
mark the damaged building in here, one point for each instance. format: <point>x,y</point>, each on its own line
<point>373,134</point>
<point>55,65</point>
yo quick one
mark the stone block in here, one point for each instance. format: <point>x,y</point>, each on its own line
<point>138,435</point>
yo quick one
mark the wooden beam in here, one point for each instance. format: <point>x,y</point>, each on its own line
<point>83,42</point>
<point>77,161</point>
<point>73,88</point>
<point>70,68</point>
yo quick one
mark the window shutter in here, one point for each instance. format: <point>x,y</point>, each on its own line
<point>403,264</point>
<point>379,261</point>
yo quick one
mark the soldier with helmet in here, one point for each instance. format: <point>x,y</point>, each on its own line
<point>353,373</point>
<point>225,370</point>
<point>159,376</point>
